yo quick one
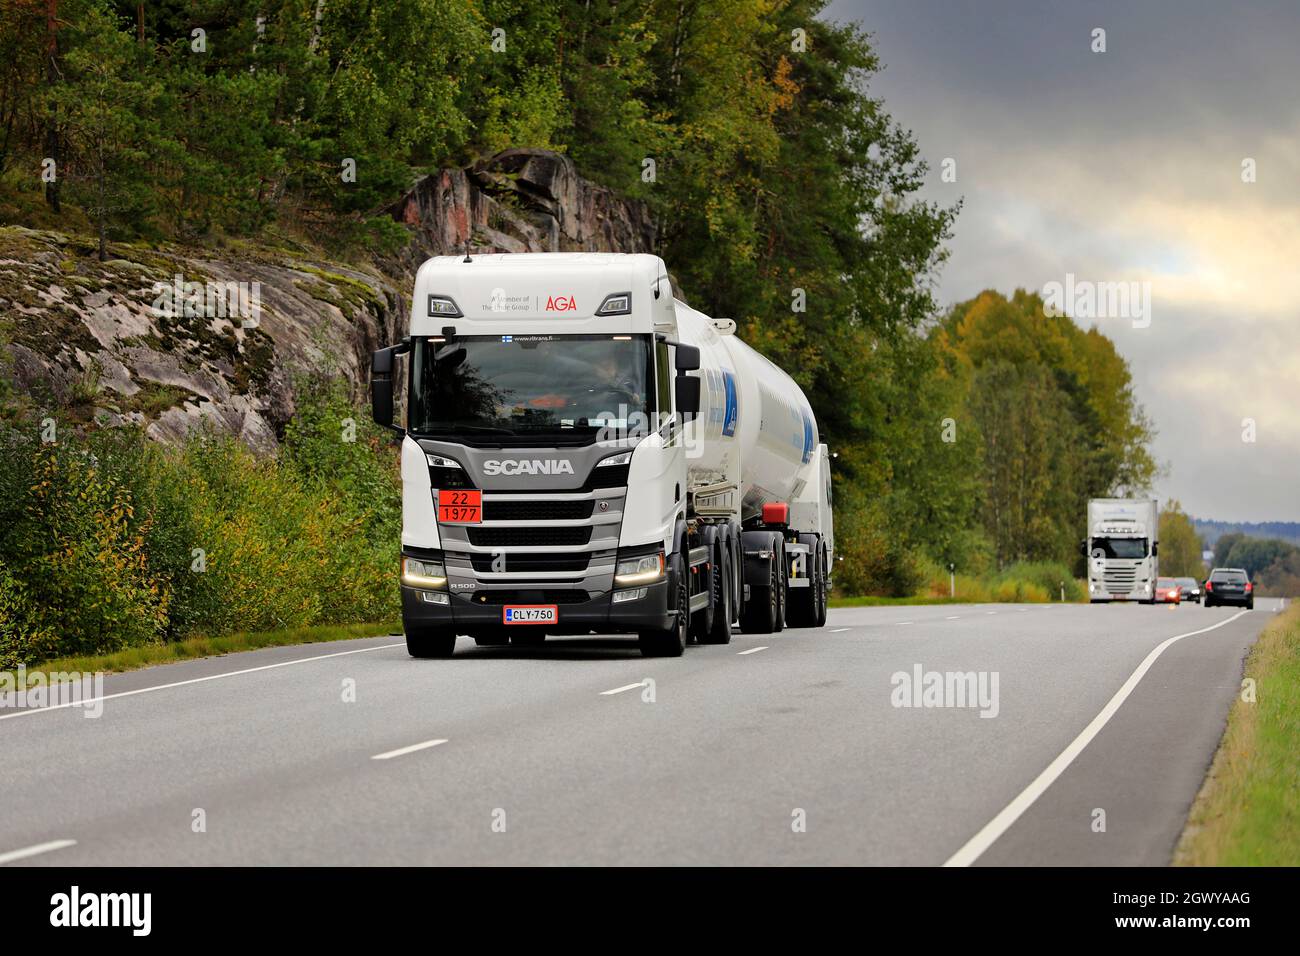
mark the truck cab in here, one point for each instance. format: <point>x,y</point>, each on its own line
<point>553,423</point>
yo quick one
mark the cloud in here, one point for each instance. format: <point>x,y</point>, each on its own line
<point>1127,166</point>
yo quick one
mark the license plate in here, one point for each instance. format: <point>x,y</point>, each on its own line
<point>530,614</point>
<point>460,507</point>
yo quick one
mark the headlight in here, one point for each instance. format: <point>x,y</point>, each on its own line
<point>618,303</point>
<point>437,461</point>
<point>419,573</point>
<point>622,459</point>
<point>444,305</point>
<point>642,570</point>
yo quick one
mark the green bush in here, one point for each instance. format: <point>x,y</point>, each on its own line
<point>111,541</point>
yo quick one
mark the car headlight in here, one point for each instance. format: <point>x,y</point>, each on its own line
<point>640,570</point>
<point>423,573</point>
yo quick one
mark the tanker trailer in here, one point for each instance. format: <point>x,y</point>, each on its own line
<point>582,453</point>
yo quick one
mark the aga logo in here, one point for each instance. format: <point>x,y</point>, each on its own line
<point>560,303</point>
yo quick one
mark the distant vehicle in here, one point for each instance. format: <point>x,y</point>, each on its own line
<point>1168,591</point>
<point>1190,588</point>
<point>1229,586</point>
<point>1122,549</point>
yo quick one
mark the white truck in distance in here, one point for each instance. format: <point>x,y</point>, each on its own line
<point>583,453</point>
<point>1122,549</point>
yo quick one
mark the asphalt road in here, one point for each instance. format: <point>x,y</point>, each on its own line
<point>776,749</point>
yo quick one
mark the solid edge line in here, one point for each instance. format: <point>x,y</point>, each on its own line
<point>37,850</point>
<point>403,751</point>
<point>989,834</point>
<point>195,680</point>
<point>752,650</point>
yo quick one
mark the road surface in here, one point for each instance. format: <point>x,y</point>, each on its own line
<point>777,749</point>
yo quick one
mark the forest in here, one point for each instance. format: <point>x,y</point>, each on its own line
<point>784,193</point>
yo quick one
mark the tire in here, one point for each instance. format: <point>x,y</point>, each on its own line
<point>427,642</point>
<point>1250,605</point>
<point>808,605</point>
<point>672,642</point>
<point>1208,603</point>
<point>778,582</point>
<point>702,620</point>
<point>719,631</point>
<point>822,604</point>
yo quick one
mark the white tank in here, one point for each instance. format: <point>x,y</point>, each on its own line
<point>755,425</point>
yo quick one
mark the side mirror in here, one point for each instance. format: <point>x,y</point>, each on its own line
<point>688,396</point>
<point>1083,547</point>
<point>381,386</point>
<point>1155,548</point>
<point>688,358</point>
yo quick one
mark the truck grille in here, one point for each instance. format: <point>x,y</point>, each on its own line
<point>525,537</point>
<point>532,562</point>
<point>494,510</point>
<point>1120,579</point>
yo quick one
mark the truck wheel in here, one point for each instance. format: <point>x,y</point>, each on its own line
<point>430,642</point>
<point>702,621</point>
<point>823,590</point>
<point>807,605</point>
<point>672,642</point>
<point>779,575</point>
<point>719,631</point>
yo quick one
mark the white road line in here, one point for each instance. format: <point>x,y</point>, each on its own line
<point>990,612</point>
<point>955,617</point>
<point>839,630</point>
<point>625,687</point>
<point>755,650</point>
<point>36,850</point>
<point>900,623</point>
<point>196,680</point>
<point>999,825</point>
<point>403,751</point>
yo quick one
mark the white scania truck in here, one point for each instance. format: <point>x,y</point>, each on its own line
<point>583,453</point>
<point>1122,549</point>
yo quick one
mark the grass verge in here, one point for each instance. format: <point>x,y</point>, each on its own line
<point>196,647</point>
<point>1248,810</point>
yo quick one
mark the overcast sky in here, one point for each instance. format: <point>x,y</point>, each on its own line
<point>1127,166</point>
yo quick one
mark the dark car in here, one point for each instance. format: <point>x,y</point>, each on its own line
<point>1229,586</point>
<point>1190,589</point>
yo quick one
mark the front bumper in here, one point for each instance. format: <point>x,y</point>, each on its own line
<point>599,615</point>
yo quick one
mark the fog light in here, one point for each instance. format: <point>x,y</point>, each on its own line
<point>435,597</point>
<point>632,595</point>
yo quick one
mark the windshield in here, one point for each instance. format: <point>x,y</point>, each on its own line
<point>1187,582</point>
<point>495,387</point>
<point>1119,548</point>
<point>1229,577</point>
<point>1166,583</point>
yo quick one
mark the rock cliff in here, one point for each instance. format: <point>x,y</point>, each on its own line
<point>167,337</point>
